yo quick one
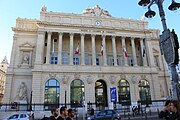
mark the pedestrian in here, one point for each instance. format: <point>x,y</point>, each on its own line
<point>175,110</point>
<point>71,114</point>
<point>165,113</point>
<point>54,113</point>
<point>63,113</point>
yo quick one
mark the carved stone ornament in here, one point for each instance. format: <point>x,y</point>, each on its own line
<point>65,79</point>
<point>143,76</point>
<point>21,92</point>
<point>89,79</point>
<point>112,79</point>
<point>77,76</point>
<point>123,77</point>
<point>52,75</point>
<point>100,76</point>
<point>96,11</point>
<point>133,79</point>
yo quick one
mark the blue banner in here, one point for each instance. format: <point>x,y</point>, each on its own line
<point>113,94</point>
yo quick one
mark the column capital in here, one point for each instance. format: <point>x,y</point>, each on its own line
<point>113,36</point>
<point>82,34</point>
<point>49,32</point>
<point>123,37</point>
<point>60,33</point>
<point>103,36</point>
<point>71,34</point>
<point>93,35</point>
<point>132,38</point>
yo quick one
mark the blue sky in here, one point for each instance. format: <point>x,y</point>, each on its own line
<point>11,9</point>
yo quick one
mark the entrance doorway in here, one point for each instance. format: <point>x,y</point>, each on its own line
<point>101,94</point>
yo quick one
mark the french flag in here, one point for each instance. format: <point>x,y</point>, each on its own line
<point>77,50</point>
<point>125,52</point>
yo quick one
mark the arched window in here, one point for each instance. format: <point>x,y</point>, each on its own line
<point>144,92</point>
<point>124,92</point>
<point>52,91</point>
<point>77,93</point>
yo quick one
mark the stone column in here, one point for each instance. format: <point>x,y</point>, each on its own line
<point>93,50</point>
<point>48,48</point>
<point>82,49</point>
<point>114,50</point>
<point>71,48</point>
<point>143,55</point>
<point>40,47</point>
<point>133,52</point>
<point>104,50</point>
<point>124,46</point>
<point>12,60</point>
<point>60,49</point>
<point>148,47</point>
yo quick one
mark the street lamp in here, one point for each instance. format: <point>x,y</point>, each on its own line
<point>168,42</point>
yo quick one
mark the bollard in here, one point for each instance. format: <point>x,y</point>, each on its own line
<point>145,116</point>
<point>124,114</point>
<point>158,110</point>
<point>129,116</point>
<point>150,112</point>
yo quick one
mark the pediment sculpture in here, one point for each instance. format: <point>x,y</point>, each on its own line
<point>96,11</point>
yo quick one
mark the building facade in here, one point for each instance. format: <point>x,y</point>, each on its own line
<point>78,58</point>
<point>3,69</point>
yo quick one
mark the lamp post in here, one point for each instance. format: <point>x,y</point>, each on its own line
<point>167,42</point>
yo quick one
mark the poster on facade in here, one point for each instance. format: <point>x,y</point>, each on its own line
<point>113,94</point>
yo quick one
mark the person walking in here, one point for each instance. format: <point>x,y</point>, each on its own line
<point>54,113</point>
<point>63,113</point>
<point>71,114</point>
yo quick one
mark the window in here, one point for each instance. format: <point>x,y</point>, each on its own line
<point>124,92</point>
<point>52,93</point>
<point>86,59</point>
<point>77,93</point>
<point>54,60</point>
<point>76,61</point>
<point>144,92</point>
<point>97,61</point>
<point>22,115</point>
<point>65,58</point>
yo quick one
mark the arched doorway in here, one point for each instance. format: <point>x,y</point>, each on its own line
<point>101,94</point>
<point>144,92</point>
<point>124,92</point>
<point>77,93</point>
<point>51,94</point>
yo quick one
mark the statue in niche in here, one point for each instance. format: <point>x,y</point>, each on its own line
<point>21,92</point>
<point>25,59</point>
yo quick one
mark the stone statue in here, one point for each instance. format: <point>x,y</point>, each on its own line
<point>25,59</point>
<point>44,8</point>
<point>21,92</point>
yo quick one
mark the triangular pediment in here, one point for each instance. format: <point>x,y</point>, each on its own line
<point>26,46</point>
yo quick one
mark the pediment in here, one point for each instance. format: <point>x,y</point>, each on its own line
<point>26,46</point>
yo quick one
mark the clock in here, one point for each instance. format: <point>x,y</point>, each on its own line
<point>97,23</point>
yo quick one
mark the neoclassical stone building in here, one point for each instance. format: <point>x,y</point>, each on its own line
<point>82,56</point>
<point>3,69</point>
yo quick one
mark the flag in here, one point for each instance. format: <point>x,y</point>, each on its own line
<point>101,49</point>
<point>77,50</point>
<point>143,52</point>
<point>125,52</point>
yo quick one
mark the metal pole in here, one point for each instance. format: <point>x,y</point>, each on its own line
<point>173,67</point>
<point>30,102</point>
<point>65,98</point>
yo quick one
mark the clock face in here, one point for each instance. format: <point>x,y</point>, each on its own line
<point>98,23</point>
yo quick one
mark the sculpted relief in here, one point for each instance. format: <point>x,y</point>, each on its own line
<point>21,92</point>
<point>96,11</point>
